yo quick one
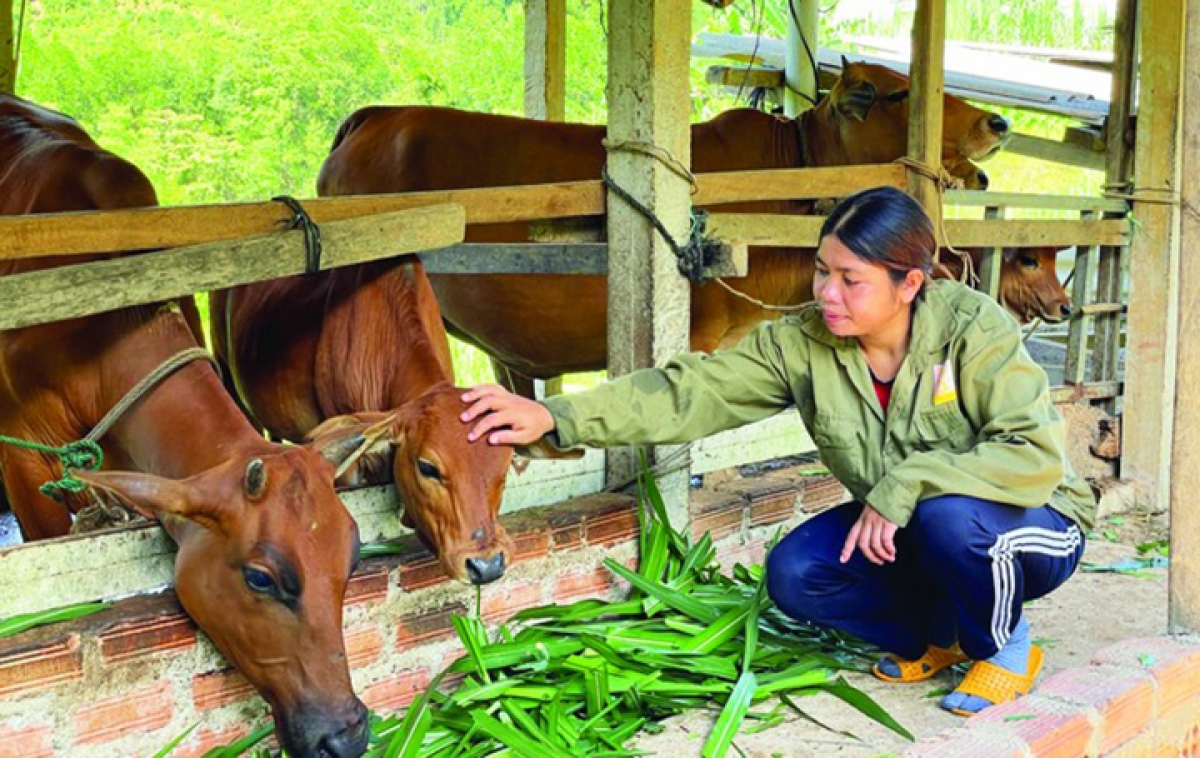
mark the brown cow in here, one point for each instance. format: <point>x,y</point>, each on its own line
<point>369,341</point>
<point>542,326</point>
<point>265,546</point>
<point>1029,285</point>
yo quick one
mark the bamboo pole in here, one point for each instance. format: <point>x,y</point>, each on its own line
<point>800,64</point>
<point>545,59</point>
<point>1184,587</point>
<point>1149,384</point>
<point>925,109</point>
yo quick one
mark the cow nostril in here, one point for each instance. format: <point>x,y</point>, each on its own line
<point>1065,309</point>
<point>350,741</point>
<point>998,124</point>
<point>984,182</point>
<point>484,570</point>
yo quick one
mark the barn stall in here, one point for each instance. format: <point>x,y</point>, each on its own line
<point>127,680</point>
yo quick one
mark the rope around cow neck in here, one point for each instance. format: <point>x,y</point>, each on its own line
<point>942,179</point>
<point>86,454</point>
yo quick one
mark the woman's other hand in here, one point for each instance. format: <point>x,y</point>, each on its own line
<point>874,535</point>
<point>504,418</point>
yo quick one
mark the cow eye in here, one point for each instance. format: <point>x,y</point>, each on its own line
<point>259,581</point>
<point>1028,261</point>
<point>428,470</point>
<point>897,96</point>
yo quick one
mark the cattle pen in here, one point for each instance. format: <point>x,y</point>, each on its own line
<point>1134,288</point>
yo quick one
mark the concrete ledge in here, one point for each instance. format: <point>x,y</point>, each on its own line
<point>1140,697</point>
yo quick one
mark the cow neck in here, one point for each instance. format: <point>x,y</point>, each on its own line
<point>188,423</point>
<point>818,137</point>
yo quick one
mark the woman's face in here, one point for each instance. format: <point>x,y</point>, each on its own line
<point>858,298</point>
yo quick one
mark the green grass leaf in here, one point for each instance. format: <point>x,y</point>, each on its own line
<point>166,750</point>
<point>862,702</point>
<point>17,624</point>
<point>732,715</point>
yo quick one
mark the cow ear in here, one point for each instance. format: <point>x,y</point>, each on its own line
<point>845,63</point>
<point>342,440</point>
<point>856,100</point>
<point>154,496</point>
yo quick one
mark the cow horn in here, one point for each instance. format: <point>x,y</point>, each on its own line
<point>255,482</point>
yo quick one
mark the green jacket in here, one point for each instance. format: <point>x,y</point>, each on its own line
<point>970,411</point>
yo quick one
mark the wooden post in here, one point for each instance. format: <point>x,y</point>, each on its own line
<point>545,59</point>
<point>800,71</point>
<point>649,104</point>
<point>1184,588</point>
<point>1075,367</point>
<point>1112,263</point>
<point>925,98</point>
<point>1149,383</point>
<point>8,50</point>
<point>993,258</point>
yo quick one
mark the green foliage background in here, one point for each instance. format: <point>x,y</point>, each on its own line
<point>238,100</point>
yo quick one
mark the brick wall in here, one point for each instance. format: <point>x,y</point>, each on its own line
<point>126,681</point>
<point>1138,698</point>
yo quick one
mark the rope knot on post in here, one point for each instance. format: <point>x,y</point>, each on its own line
<point>698,252</point>
<point>80,455</point>
<point>312,233</point>
<point>943,180</point>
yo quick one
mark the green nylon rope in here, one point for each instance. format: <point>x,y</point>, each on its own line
<point>79,455</point>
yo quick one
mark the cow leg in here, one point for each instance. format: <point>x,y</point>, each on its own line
<point>39,516</point>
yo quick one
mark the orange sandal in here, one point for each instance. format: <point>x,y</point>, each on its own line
<point>934,660</point>
<point>996,684</point>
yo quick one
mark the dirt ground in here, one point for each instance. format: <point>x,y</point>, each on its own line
<point>1092,610</point>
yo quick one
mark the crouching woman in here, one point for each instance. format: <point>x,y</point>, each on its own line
<point>923,402</point>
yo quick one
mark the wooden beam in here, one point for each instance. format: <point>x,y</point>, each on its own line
<point>1153,256</point>
<point>8,48</point>
<point>85,289</point>
<point>1066,153</point>
<point>987,199</point>
<point>1112,262</point>
<point>925,109</point>
<point>765,230</point>
<point>546,59</point>
<point>744,77</point>
<point>1184,587</point>
<point>801,55</point>
<point>36,236</point>
<point>586,259</point>
<point>649,103</point>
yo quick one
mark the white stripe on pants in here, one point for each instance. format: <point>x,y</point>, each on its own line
<point>1029,539</point>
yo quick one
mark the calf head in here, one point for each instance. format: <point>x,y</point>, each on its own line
<point>265,552</point>
<point>871,105</point>
<point>451,488</point>
<point>1029,285</point>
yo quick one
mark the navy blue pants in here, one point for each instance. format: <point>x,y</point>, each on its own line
<point>963,568</point>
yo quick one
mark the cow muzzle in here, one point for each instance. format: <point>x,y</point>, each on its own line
<point>485,570</point>
<point>311,733</point>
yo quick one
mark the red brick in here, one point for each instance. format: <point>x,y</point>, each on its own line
<point>573,587</point>
<point>820,493</point>
<point>611,528</point>
<point>144,710</point>
<point>1174,666</point>
<point>420,571</point>
<point>35,663</point>
<point>364,644</point>
<point>421,628</point>
<point>718,514</point>
<point>1123,699</point>
<point>130,638</point>
<point>220,688</point>
<point>397,691</point>
<point>203,741</point>
<point>1057,730</point>
<point>530,546</point>
<point>773,508</point>
<point>368,585</point>
<point>502,600</point>
<point>26,742</point>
